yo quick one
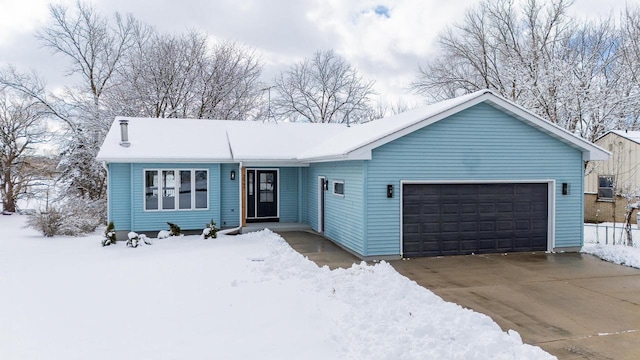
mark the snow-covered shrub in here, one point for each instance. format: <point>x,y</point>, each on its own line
<point>163,234</point>
<point>145,239</point>
<point>109,235</point>
<point>71,217</point>
<point>134,238</point>
<point>210,231</point>
<point>48,223</point>
<point>174,229</point>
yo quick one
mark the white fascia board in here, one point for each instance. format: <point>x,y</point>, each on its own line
<point>272,163</point>
<point>167,160</point>
<point>355,155</point>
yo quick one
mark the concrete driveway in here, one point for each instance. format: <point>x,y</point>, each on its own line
<point>574,306</point>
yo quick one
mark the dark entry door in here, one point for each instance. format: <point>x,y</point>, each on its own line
<point>262,195</point>
<point>453,219</point>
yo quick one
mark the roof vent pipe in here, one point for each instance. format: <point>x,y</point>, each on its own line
<point>124,133</point>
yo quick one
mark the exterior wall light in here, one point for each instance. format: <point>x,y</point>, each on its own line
<point>233,174</point>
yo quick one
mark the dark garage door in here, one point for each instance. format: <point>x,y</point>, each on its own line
<point>453,219</point>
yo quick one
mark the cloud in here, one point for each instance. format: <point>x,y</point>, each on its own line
<point>385,40</point>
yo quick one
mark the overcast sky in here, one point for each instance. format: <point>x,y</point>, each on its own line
<point>385,40</point>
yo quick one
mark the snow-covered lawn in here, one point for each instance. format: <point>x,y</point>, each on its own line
<point>242,297</point>
<point>599,240</point>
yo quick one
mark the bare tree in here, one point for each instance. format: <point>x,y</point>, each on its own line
<point>184,76</point>
<point>21,127</point>
<point>94,46</point>
<point>538,57</point>
<point>323,89</point>
<point>630,63</point>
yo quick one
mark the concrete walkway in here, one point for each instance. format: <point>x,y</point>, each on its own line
<point>318,249</point>
<point>572,305</point>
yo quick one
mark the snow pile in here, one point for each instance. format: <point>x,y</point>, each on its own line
<point>387,316</point>
<point>599,239</point>
<point>235,297</point>
<point>618,254</point>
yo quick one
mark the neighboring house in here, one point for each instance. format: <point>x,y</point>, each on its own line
<point>474,174</point>
<point>613,184</point>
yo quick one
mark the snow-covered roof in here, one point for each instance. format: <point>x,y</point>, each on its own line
<point>190,140</point>
<point>185,140</point>
<point>630,135</point>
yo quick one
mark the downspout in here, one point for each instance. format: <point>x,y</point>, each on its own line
<point>240,194</point>
<point>106,169</point>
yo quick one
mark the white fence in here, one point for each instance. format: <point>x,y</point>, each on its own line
<point>609,234</point>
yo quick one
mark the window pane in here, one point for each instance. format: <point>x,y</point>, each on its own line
<point>184,201</point>
<point>168,189</point>
<point>338,188</point>
<point>201,189</point>
<point>266,187</point>
<point>151,190</point>
<point>605,193</point>
<point>251,183</point>
<point>605,186</point>
<point>606,181</point>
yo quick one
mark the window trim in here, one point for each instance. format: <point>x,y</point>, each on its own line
<point>333,187</point>
<point>612,187</point>
<point>176,189</point>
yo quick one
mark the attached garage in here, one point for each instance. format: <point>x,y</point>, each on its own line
<point>465,218</point>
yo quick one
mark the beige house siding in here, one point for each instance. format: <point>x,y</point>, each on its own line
<point>624,165</point>
<point>603,211</point>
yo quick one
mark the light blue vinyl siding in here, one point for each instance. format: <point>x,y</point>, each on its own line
<point>344,216</point>
<point>288,194</point>
<point>120,195</point>
<point>186,219</point>
<point>480,143</point>
<point>303,196</point>
<point>229,196</point>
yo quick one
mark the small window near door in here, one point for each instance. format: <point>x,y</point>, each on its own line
<point>338,187</point>
<point>605,187</point>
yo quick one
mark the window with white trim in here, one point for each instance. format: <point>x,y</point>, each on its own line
<point>176,189</point>
<point>338,187</point>
<point>605,187</point>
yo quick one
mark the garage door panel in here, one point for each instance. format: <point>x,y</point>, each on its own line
<point>468,245</point>
<point>539,241</point>
<point>450,245</point>
<point>429,209</point>
<point>466,218</point>
<point>522,207</point>
<point>523,225</point>
<point>503,226</point>
<point>469,226</point>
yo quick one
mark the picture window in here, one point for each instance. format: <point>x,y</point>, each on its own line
<point>173,189</point>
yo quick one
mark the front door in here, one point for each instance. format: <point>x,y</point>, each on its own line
<point>262,195</point>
